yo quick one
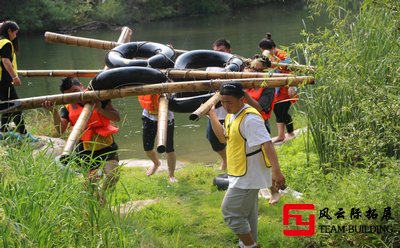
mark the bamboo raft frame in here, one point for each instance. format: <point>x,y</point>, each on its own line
<point>108,45</point>
<point>161,88</point>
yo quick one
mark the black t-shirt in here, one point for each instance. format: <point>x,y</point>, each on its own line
<point>6,52</point>
<point>64,114</point>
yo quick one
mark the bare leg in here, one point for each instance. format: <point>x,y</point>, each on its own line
<point>222,154</point>
<point>171,161</point>
<point>281,132</point>
<point>152,155</point>
<point>246,238</point>
<point>111,171</point>
<point>275,196</point>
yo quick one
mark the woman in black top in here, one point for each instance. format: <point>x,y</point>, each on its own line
<point>9,78</point>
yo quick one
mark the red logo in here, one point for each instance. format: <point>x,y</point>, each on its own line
<point>310,224</point>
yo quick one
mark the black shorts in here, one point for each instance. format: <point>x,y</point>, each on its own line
<point>281,111</point>
<point>94,159</point>
<point>150,133</point>
<point>215,144</point>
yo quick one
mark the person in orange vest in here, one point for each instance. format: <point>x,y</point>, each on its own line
<point>285,96</point>
<point>96,149</point>
<point>150,104</point>
<point>8,79</point>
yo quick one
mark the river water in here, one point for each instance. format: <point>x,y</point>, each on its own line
<point>243,28</point>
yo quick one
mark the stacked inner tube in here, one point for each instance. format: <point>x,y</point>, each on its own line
<point>189,102</point>
<point>125,55</point>
<point>132,64</point>
<point>127,76</point>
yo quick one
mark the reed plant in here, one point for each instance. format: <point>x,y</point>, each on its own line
<point>43,204</point>
<point>353,110</point>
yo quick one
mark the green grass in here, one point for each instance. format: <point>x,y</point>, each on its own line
<point>44,206</point>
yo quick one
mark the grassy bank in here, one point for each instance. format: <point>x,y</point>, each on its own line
<point>45,206</point>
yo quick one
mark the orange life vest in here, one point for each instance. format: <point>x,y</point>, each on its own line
<point>149,102</point>
<point>97,123</point>
<point>256,95</point>
<point>283,93</point>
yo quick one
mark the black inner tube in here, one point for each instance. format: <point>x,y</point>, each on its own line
<point>127,76</point>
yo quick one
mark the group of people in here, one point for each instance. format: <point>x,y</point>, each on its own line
<point>238,131</point>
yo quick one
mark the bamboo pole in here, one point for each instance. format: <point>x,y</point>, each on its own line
<point>177,74</point>
<point>80,41</point>
<point>108,45</point>
<point>84,117</point>
<point>188,86</point>
<point>205,107</point>
<point>162,125</point>
<point>86,42</point>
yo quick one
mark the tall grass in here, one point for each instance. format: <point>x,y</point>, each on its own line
<point>42,205</point>
<point>353,109</point>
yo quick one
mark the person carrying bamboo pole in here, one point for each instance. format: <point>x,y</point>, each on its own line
<point>252,162</point>
<point>150,104</point>
<point>221,45</point>
<point>96,149</point>
<point>8,79</point>
<point>284,95</point>
<point>263,99</point>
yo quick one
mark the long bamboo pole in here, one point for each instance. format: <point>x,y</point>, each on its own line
<point>84,117</point>
<point>107,45</point>
<point>86,42</point>
<point>188,74</point>
<point>205,107</point>
<point>162,124</point>
<point>188,86</point>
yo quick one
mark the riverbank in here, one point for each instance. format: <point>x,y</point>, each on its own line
<point>150,212</point>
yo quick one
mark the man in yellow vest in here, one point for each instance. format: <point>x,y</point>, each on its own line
<point>251,160</point>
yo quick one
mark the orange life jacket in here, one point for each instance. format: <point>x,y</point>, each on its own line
<point>149,102</point>
<point>256,95</point>
<point>97,123</point>
<point>283,93</point>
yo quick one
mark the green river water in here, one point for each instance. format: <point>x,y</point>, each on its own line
<point>243,28</point>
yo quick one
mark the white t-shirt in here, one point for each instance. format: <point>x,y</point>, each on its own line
<point>155,117</point>
<point>258,176</point>
<point>220,111</point>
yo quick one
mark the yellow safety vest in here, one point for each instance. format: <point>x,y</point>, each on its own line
<point>14,59</point>
<point>236,145</point>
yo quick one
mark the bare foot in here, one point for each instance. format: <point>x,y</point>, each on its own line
<point>289,136</point>
<point>153,169</point>
<point>173,180</point>
<point>275,196</point>
<point>277,140</point>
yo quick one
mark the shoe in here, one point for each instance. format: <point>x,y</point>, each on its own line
<point>29,137</point>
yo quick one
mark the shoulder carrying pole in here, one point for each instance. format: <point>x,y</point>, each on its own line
<point>88,108</point>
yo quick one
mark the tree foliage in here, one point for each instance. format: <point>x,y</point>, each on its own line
<point>40,15</point>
